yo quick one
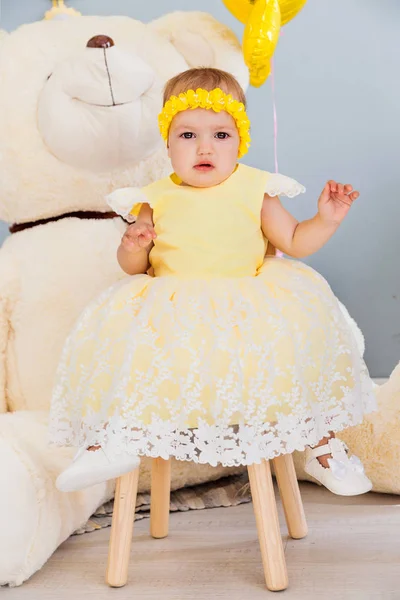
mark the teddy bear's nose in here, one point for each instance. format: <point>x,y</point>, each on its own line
<point>100,41</point>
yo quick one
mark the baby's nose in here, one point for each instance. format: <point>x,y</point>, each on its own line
<point>100,41</point>
<point>204,146</point>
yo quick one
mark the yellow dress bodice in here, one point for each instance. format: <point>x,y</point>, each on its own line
<point>208,232</point>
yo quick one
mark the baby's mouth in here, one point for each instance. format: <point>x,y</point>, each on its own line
<point>204,166</point>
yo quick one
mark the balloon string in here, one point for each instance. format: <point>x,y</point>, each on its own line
<point>275,115</point>
<point>277,252</point>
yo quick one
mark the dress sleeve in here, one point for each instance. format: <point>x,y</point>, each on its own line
<point>280,185</point>
<point>127,202</point>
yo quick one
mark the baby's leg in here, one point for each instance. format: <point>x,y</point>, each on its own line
<point>329,465</point>
<point>323,460</point>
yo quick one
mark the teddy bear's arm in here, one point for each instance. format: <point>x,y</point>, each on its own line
<point>4,330</point>
<point>8,285</point>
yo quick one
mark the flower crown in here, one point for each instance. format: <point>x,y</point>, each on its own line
<point>215,100</point>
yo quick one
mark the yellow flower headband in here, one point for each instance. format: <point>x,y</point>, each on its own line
<point>215,100</point>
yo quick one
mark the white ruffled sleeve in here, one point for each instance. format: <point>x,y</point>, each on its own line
<point>127,202</point>
<point>280,185</point>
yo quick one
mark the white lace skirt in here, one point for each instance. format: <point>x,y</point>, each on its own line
<point>223,370</point>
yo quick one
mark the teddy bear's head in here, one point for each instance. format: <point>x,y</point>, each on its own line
<point>79,100</point>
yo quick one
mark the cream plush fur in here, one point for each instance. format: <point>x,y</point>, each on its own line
<point>63,147</point>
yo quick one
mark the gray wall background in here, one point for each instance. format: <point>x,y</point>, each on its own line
<point>338,102</point>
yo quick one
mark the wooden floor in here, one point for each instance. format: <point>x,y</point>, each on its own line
<point>352,552</point>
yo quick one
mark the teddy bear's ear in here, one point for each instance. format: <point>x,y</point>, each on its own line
<point>3,34</point>
<point>204,42</point>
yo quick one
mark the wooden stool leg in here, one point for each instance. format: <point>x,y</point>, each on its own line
<point>122,529</point>
<point>160,497</point>
<point>290,495</point>
<point>273,557</point>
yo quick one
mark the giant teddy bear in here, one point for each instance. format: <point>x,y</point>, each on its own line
<point>78,118</point>
<point>78,106</point>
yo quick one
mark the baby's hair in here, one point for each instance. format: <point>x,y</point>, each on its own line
<point>206,78</point>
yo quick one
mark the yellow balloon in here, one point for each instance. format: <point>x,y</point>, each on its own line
<point>260,75</point>
<point>260,37</point>
<point>241,9</point>
<point>289,9</point>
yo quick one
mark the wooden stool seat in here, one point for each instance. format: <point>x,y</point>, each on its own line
<point>265,509</point>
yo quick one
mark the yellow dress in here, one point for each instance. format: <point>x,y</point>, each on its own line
<point>224,356</point>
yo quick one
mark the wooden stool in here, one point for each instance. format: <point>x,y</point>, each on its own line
<point>265,510</point>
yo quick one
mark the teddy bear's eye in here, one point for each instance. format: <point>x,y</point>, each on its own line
<point>48,76</point>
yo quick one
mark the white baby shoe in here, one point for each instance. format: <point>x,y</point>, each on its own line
<point>90,467</point>
<point>345,476</point>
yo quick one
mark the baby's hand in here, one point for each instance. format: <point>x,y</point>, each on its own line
<point>335,201</point>
<point>138,235</point>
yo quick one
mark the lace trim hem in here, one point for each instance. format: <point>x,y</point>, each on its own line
<point>213,444</point>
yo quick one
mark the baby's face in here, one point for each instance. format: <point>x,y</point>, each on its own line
<point>203,146</point>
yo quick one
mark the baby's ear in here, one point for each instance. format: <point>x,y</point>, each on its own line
<point>204,42</point>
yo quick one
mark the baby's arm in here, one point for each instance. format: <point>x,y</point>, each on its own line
<point>137,241</point>
<point>288,235</point>
<point>302,239</point>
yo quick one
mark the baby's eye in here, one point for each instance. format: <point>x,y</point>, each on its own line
<point>222,135</point>
<point>187,135</point>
